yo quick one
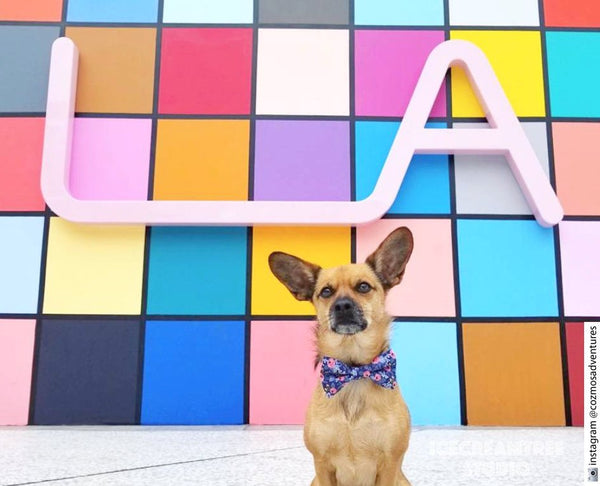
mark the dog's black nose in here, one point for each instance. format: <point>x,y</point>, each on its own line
<point>346,316</point>
<point>343,304</point>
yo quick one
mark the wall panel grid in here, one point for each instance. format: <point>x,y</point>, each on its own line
<point>289,100</point>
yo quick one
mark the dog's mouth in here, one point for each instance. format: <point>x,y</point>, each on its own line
<point>348,328</point>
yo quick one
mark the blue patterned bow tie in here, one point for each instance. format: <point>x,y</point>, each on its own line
<point>381,371</point>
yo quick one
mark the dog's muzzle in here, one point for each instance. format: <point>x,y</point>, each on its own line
<point>346,316</point>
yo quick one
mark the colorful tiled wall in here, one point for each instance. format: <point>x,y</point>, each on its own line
<point>296,100</point>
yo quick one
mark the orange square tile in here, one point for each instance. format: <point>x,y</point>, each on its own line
<point>31,10</point>
<point>202,160</point>
<point>513,374</point>
<point>116,69</point>
<point>576,153</point>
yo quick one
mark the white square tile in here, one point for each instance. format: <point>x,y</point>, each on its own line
<point>303,72</point>
<point>494,12</point>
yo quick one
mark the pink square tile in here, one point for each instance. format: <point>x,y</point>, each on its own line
<point>388,64</point>
<point>16,361</point>
<point>580,258</point>
<point>282,374</point>
<point>110,158</point>
<point>428,286</point>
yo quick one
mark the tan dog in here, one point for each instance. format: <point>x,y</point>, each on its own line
<point>359,435</point>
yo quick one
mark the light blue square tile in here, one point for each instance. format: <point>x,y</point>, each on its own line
<point>506,269</point>
<point>399,12</point>
<point>427,371</point>
<point>426,185</point>
<point>112,11</point>
<point>20,260</point>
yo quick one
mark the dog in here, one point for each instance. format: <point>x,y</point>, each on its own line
<point>357,424</point>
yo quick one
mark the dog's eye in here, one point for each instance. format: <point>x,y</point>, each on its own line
<point>363,287</point>
<point>326,292</point>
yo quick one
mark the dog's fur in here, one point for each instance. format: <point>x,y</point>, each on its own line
<point>359,436</point>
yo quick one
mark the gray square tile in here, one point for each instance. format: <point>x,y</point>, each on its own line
<point>24,64</point>
<point>334,12</point>
<point>485,184</point>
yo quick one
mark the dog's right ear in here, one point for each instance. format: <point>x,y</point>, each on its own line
<point>389,260</point>
<point>299,276</point>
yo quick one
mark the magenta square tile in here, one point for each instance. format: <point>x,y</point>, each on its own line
<point>110,158</point>
<point>388,64</point>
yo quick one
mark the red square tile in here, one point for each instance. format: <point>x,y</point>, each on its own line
<point>205,71</point>
<point>574,332</point>
<point>574,13</point>
<point>21,141</point>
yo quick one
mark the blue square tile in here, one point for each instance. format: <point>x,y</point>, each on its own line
<point>426,185</point>
<point>399,12</point>
<point>427,371</point>
<point>194,373</point>
<point>197,271</point>
<point>20,259</point>
<point>506,269</point>
<point>573,72</point>
<point>112,11</point>
<point>87,372</point>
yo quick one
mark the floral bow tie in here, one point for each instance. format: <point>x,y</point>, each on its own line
<point>381,371</point>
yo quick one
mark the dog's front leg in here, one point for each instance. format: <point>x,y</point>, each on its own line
<point>390,474</point>
<point>325,475</point>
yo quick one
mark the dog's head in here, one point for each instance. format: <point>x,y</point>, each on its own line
<point>349,299</point>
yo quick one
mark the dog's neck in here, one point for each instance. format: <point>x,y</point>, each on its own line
<point>356,349</point>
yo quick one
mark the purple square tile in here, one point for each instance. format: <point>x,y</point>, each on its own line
<point>302,161</point>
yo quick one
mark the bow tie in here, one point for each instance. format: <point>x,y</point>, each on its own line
<point>381,371</point>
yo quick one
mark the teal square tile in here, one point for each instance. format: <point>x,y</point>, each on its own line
<point>197,271</point>
<point>573,72</point>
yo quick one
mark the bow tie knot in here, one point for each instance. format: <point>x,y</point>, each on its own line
<point>335,374</point>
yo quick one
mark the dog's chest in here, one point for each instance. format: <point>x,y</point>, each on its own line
<point>362,420</point>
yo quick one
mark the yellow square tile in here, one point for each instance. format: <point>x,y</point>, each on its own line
<point>516,58</point>
<point>94,269</point>
<point>324,246</point>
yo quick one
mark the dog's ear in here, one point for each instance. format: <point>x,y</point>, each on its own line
<point>389,260</point>
<point>299,276</point>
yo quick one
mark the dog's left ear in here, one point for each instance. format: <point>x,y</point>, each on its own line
<point>389,260</point>
<point>299,276</point>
